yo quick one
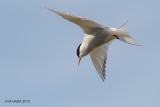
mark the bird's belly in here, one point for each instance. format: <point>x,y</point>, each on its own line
<point>96,42</point>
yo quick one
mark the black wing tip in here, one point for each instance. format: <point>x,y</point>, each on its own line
<point>104,79</point>
<point>104,71</point>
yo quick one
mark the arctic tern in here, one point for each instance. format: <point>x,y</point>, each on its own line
<point>96,40</point>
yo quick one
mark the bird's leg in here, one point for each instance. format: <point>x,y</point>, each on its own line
<point>116,36</point>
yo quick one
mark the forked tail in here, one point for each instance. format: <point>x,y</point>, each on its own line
<point>123,35</point>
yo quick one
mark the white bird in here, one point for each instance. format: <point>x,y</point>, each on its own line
<point>96,40</point>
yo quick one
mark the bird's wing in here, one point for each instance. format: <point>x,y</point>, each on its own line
<point>87,25</point>
<point>99,57</point>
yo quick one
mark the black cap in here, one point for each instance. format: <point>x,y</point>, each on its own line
<point>78,50</point>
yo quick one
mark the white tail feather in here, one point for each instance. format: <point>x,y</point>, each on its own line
<point>124,25</point>
<point>123,35</point>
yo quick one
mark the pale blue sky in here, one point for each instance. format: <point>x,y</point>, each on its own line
<point>38,58</point>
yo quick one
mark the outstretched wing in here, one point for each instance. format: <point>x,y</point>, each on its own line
<point>87,25</point>
<point>99,57</point>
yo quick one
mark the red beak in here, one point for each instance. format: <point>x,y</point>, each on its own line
<point>79,60</point>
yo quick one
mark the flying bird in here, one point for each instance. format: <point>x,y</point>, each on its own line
<point>96,40</point>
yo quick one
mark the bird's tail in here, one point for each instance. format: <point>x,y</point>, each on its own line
<point>124,36</point>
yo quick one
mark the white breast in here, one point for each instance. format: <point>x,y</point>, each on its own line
<point>94,39</point>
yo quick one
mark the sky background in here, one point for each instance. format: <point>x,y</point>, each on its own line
<point>38,60</point>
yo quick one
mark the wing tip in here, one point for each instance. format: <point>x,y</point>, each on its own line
<point>103,79</point>
<point>47,8</point>
<point>51,10</point>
